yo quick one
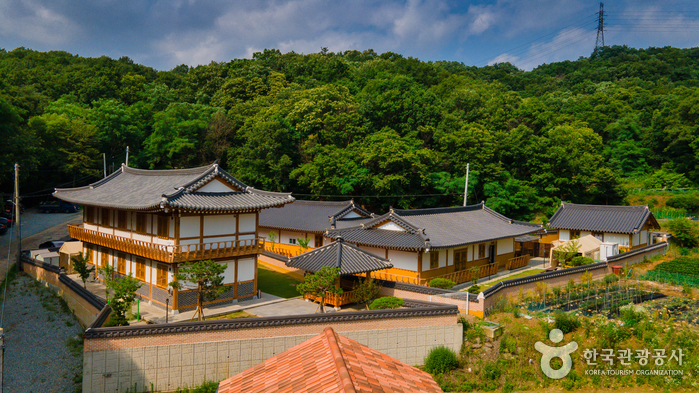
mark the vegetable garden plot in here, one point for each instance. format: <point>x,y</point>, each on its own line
<point>590,299</point>
<point>678,309</point>
<point>679,271</point>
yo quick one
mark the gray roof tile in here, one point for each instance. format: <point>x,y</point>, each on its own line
<point>601,218</point>
<point>350,259</point>
<point>313,216</point>
<point>437,228</point>
<point>141,189</point>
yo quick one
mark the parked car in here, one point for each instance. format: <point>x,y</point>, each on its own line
<point>58,206</point>
<point>6,222</point>
<point>3,229</point>
<point>10,206</point>
<point>8,216</point>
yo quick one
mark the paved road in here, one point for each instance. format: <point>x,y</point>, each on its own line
<point>34,222</point>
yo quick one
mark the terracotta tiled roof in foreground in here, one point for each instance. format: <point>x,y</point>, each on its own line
<point>329,362</point>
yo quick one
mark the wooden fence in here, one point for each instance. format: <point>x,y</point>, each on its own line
<point>468,275</point>
<point>346,297</point>
<point>288,250</point>
<point>517,262</point>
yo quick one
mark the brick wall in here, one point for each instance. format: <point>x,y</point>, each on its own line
<point>186,359</point>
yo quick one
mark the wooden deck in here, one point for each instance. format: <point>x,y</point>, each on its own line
<point>347,297</point>
<point>169,253</point>
<point>288,250</point>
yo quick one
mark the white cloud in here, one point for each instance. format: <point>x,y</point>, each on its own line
<point>32,21</point>
<point>482,19</point>
<point>568,44</point>
<point>504,58</point>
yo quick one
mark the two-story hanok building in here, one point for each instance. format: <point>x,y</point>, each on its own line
<point>147,222</point>
<point>307,220</point>
<point>628,226</point>
<point>423,244</point>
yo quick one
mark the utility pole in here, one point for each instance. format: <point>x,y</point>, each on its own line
<point>104,163</point>
<point>466,185</point>
<point>600,27</point>
<point>17,217</point>
<point>127,156</point>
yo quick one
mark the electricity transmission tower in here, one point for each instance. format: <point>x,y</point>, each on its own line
<point>600,27</point>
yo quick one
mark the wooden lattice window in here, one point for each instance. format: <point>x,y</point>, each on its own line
<point>141,222</point>
<point>89,250</point>
<point>434,259</point>
<point>121,219</point>
<point>161,278</point>
<point>104,217</point>
<point>104,262</point>
<point>141,269</point>
<point>460,259</point>
<point>481,251</point>
<point>121,263</point>
<point>90,215</point>
<point>575,234</point>
<point>163,226</point>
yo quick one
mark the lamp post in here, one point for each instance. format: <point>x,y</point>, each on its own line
<point>167,304</point>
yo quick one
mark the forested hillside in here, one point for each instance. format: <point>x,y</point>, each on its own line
<point>361,123</point>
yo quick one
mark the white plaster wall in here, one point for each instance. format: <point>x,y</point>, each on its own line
<point>90,226</point>
<point>622,240</point>
<point>246,269</point>
<point>171,227</point>
<point>442,258</point>
<point>138,236</point>
<point>148,269</point>
<point>229,273</point>
<point>380,252</point>
<point>215,186</point>
<point>221,239</point>
<point>105,230</point>
<point>286,235</point>
<point>167,242</point>
<point>505,246</point>
<point>403,259</point>
<point>636,237</point>
<point>390,226</point>
<point>118,232</point>
<point>585,233</point>
<point>563,234</point>
<point>189,226</point>
<point>247,223</point>
<point>351,215</point>
<point>219,225</point>
<point>469,253</point>
<point>644,237</point>
<point>190,241</point>
<point>450,257</point>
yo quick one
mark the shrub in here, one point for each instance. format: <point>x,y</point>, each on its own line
<point>441,283</point>
<point>566,322</point>
<point>491,371</point>
<point>387,302</point>
<point>441,360</point>
<point>631,316</point>
<point>580,261</point>
<point>474,289</point>
<point>689,203</point>
<point>687,290</point>
<point>611,278</point>
<point>684,232</point>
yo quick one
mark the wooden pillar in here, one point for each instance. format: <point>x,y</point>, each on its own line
<point>175,291</point>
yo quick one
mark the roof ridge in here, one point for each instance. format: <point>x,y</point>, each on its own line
<point>437,210</point>
<point>152,172</point>
<point>336,352</point>
<point>563,204</point>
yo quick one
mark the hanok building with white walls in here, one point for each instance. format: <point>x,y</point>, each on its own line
<point>307,220</point>
<point>147,222</point>
<point>627,226</point>
<point>423,244</point>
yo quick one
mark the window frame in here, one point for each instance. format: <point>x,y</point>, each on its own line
<point>104,258</point>
<point>121,263</point>
<point>105,216</point>
<point>460,263</point>
<point>122,219</point>
<point>140,268</point>
<point>90,215</point>
<point>434,259</point>
<point>161,272</point>
<point>481,251</point>
<point>163,229</point>
<point>141,223</point>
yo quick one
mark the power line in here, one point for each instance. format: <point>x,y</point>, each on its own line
<point>600,27</point>
<point>376,196</point>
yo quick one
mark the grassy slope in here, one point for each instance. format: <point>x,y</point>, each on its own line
<point>275,283</point>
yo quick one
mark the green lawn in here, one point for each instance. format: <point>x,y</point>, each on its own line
<point>277,284</point>
<point>520,275</point>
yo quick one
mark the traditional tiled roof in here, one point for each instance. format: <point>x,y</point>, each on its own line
<point>330,362</point>
<point>314,216</point>
<point>141,189</point>
<point>436,228</point>
<point>601,218</point>
<point>349,258</point>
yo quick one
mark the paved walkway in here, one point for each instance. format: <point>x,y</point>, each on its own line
<point>534,263</point>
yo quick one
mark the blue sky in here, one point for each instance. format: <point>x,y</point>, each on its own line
<point>166,33</point>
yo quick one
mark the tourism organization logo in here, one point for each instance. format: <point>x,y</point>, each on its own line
<point>548,353</point>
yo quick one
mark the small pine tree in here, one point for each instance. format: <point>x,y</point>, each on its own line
<point>321,283</point>
<point>303,242</point>
<point>365,291</point>
<point>204,276</point>
<point>80,265</point>
<point>124,289</point>
<point>272,238</point>
<point>108,272</point>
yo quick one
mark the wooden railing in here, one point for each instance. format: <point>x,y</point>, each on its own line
<point>288,250</point>
<point>517,262</point>
<point>467,275</point>
<point>346,297</point>
<point>169,253</point>
<point>392,277</point>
